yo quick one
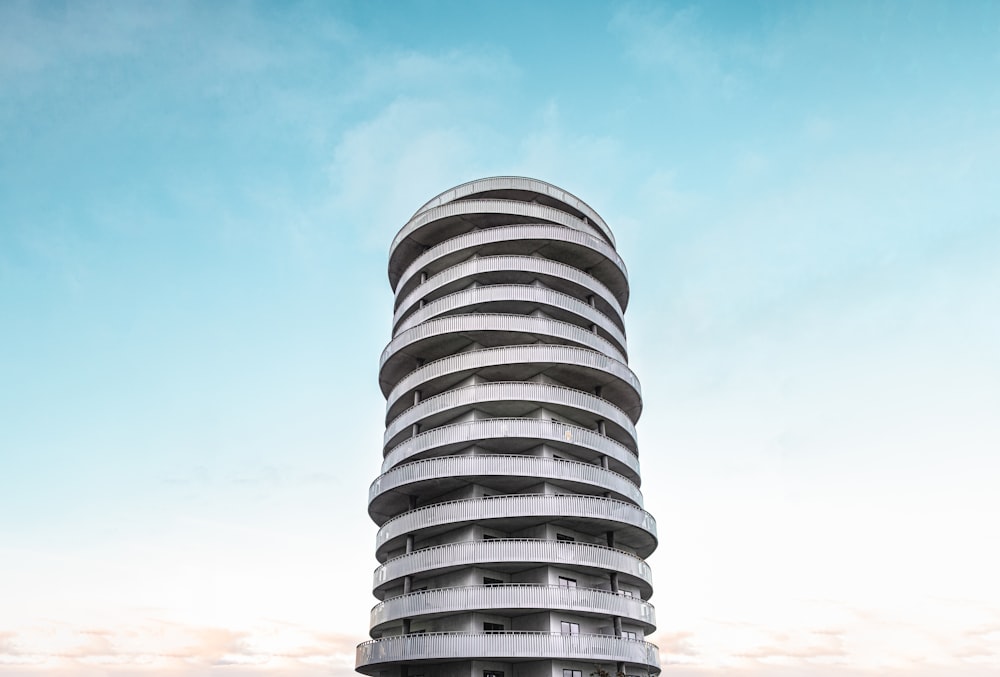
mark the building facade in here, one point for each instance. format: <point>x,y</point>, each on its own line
<point>512,536</point>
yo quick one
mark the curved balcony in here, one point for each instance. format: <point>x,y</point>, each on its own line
<point>436,338</point>
<point>504,599</point>
<point>507,646</point>
<point>634,527</point>
<point>496,184</point>
<point>569,365</point>
<point>525,396</point>
<point>519,434</point>
<point>448,220</point>
<point>559,243</point>
<point>516,554</point>
<point>518,299</point>
<point>388,495</point>
<point>533,267</point>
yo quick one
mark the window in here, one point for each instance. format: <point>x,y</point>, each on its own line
<point>567,582</point>
<point>491,581</point>
<point>564,537</point>
<point>418,632</point>
<point>567,628</point>
<point>572,673</point>
<point>493,627</point>
<point>628,634</point>
<point>492,673</point>
<point>626,593</point>
<point>419,589</point>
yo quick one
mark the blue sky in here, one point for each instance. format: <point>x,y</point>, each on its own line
<point>196,201</point>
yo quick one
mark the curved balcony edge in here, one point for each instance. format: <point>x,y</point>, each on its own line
<point>514,550</point>
<point>525,183</point>
<point>461,599</point>
<point>471,432</point>
<point>504,646</point>
<point>518,233</point>
<point>502,391</point>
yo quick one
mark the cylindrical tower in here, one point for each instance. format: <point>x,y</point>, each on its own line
<point>512,538</point>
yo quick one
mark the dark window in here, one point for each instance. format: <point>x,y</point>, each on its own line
<point>567,582</point>
<point>564,537</point>
<point>491,581</point>
<point>492,673</point>
<point>628,634</point>
<point>569,628</point>
<point>572,673</point>
<point>493,627</point>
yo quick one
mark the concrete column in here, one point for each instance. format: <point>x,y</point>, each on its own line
<point>592,301</point>
<point>618,626</point>
<point>416,397</point>
<point>601,428</point>
<point>414,429</point>
<point>409,543</point>
<point>611,542</point>
<point>604,463</point>
<point>614,582</point>
<point>423,276</point>
<point>407,584</point>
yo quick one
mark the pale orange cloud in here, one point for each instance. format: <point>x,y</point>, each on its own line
<point>167,648</point>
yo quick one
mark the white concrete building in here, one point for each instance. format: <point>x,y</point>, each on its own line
<point>512,538</point>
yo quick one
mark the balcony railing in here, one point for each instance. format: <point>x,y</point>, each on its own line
<point>499,293</point>
<point>546,232</point>
<point>539,467</point>
<point>518,183</point>
<point>503,597</point>
<point>543,506</point>
<point>513,355</point>
<point>500,391</point>
<point>513,551</point>
<point>529,210</point>
<point>575,438</point>
<point>505,646</point>
<point>490,322</point>
<point>490,264</point>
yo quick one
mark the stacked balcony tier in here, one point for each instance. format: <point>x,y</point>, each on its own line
<point>512,535</point>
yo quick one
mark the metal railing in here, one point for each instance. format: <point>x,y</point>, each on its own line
<point>500,391</point>
<point>514,596</point>
<point>507,262</point>
<point>506,645</point>
<point>517,183</point>
<point>515,550</point>
<point>511,506</point>
<point>492,206</point>
<point>531,231</point>
<point>455,434</point>
<point>498,293</point>
<point>514,355</point>
<point>499,322</point>
<point>536,467</point>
